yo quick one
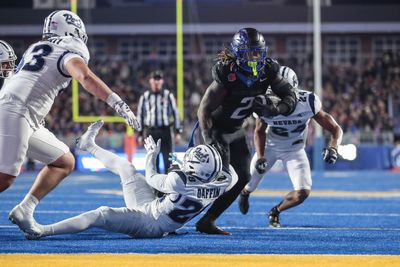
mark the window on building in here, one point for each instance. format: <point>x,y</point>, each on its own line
<point>342,50</point>
<point>383,44</point>
<point>299,47</point>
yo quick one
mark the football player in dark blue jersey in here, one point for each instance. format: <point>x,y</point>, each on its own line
<point>241,77</point>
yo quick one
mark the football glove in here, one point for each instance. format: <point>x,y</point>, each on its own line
<point>151,146</point>
<point>330,155</point>
<point>211,139</point>
<point>123,110</point>
<point>261,165</point>
<point>264,106</point>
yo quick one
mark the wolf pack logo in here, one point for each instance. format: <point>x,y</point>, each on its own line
<point>200,156</point>
<point>71,20</point>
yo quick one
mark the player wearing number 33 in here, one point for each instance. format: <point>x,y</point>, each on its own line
<point>45,69</point>
<point>188,190</point>
<point>284,140</point>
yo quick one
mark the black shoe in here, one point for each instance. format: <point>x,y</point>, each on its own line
<point>274,219</point>
<point>244,204</point>
<point>209,227</point>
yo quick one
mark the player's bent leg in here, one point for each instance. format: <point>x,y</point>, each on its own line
<point>292,199</point>
<point>43,146</point>
<point>207,223</point>
<point>255,180</point>
<point>52,174</point>
<point>14,135</point>
<point>87,141</point>
<point>5,181</point>
<point>241,165</point>
<point>298,168</point>
<point>135,189</point>
<point>48,178</point>
<point>111,161</point>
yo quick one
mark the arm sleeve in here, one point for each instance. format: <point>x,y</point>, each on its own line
<point>161,182</point>
<point>166,183</point>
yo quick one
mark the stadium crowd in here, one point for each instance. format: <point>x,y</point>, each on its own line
<point>362,98</point>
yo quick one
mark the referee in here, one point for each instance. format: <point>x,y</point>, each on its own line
<point>157,113</point>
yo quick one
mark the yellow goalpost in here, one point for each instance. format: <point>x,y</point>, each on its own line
<point>76,117</point>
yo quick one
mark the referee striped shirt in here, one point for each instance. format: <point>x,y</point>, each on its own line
<point>158,109</point>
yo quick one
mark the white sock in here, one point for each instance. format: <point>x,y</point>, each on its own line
<point>75,224</point>
<point>92,147</point>
<point>29,203</point>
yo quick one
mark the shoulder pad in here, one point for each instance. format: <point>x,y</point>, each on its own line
<point>75,45</point>
<point>220,72</point>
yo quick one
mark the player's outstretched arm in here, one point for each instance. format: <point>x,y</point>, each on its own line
<point>259,142</point>
<point>78,69</point>
<point>329,123</point>
<point>260,137</point>
<point>160,182</point>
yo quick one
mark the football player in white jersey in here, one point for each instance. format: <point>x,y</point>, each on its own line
<point>45,69</point>
<point>7,61</point>
<point>188,190</point>
<point>283,138</point>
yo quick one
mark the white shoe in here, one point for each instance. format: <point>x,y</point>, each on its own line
<point>34,233</point>
<point>87,139</point>
<point>25,222</point>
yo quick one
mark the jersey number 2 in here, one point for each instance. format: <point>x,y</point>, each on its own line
<point>188,208</point>
<point>37,61</point>
<point>241,112</point>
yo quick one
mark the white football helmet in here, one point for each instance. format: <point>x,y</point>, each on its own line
<point>289,75</point>
<point>7,60</point>
<point>202,162</point>
<point>64,23</point>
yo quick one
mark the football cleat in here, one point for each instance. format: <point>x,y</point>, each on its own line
<point>87,139</point>
<point>25,223</point>
<point>244,204</point>
<point>209,227</point>
<point>34,233</point>
<point>274,219</point>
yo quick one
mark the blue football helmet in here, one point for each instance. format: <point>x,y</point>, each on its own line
<point>248,47</point>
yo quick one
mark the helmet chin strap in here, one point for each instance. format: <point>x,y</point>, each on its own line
<point>253,66</point>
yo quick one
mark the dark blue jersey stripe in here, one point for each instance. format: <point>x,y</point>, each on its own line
<point>311,101</point>
<point>59,67</point>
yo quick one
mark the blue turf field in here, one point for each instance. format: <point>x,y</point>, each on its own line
<point>350,213</point>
